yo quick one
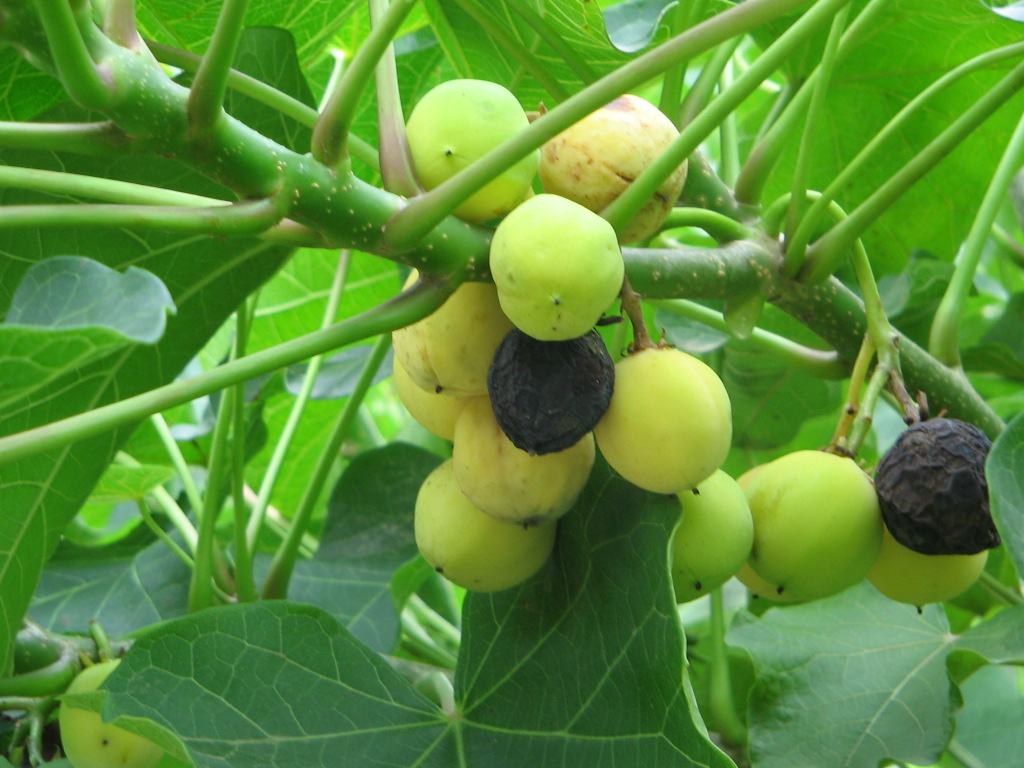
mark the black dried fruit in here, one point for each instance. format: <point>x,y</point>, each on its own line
<point>932,489</point>
<point>547,395</point>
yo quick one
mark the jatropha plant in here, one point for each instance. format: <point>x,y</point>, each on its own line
<point>461,383</point>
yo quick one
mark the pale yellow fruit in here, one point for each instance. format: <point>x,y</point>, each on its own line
<point>469,547</point>
<point>509,483</point>
<point>435,412</point>
<point>595,160</point>
<point>451,350</point>
<point>457,123</point>
<point>669,424</point>
<point>817,524</point>
<point>713,538</point>
<point>906,576</point>
<point>556,266</point>
<point>760,588</point>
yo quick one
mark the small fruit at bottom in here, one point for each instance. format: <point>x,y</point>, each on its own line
<point>713,538</point>
<point>469,547</point>
<point>907,576</point>
<point>91,743</point>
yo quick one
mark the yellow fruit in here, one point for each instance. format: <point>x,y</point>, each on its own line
<point>509,483</point>
<point>669,424</point>
<point>435,412</point>
<point>906,576</point>
<point>469,547</point>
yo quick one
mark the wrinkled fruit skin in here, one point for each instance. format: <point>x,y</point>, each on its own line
<point>457,123</point>
<point>91,743</point>
<point>469,547</point>
<point>547,395</point>
<point>450,351</point>
<point>509,483</point>
<point>932,489</point>
<point>669,423</point>
<point>713,538</point>
<point>557,266</point>
<point>817,526</point>
<point>595,160</point>
<point>910,577</point>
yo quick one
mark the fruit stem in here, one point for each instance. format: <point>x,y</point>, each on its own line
<point>206,97</point>
<point>726,719</point>
<point>1000,591</point>
<point>839,444</point>
<point>104,650</point>
<point>632,305</point>
<point>944,339</point>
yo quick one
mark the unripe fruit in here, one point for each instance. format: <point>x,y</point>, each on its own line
<point>557,267</point>
<point>817,526</point>
<point>435,412</point>
<point>91,743</point>
<point>910,577</point>
<point>469,547</point>
<point>669,424</point>
<point>759,587</point>
<point>595,160</point>
<point>451,350</point>
<point>510,484</point>
<point>713,538</point>
<point>457,123</point>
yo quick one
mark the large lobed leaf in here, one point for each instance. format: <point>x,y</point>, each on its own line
<point>1003,470</point>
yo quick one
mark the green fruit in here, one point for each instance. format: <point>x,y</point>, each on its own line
<point>669,424</point>
<point>713,538</point>
<point>907,576</point>
<point>457,123</point>
<point>435,412</point>
<point>451,350</point>
<point>595,160</point>
<point>557,267</point>
<point>469,547</point>
<point>509,483</point>
<point>817,524</point>
<point>760,587</point>
<point>91,743</point>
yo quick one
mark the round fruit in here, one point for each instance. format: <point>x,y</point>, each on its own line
<point>932,489</point>
<point>817,526</point>
<point>595,160</point>
<point>907,576</point>
<point>451,350</point>
<point>669,423</point>
<point>557,267</point>
<point>547,395</point>
<point>435,412</point>
<point>508,483</point>
<point>469,547</point>
<point>91,743</point>
<point>760,587</point>
<point>713,538</point>
<point>457,123</point>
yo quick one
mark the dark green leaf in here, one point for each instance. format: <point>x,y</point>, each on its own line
<point>1001,349</point>
<point>339,373</point>
<point>1006,488</point>
<point>999,639</point>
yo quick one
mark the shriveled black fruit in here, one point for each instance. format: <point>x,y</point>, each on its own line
<point>932,490</point>
<point>547,395</point>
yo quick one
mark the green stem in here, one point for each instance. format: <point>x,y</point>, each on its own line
<point>206,100</point>
<point>104,650</point>
<point>722,228</point>
<point>177,458</point>
<point>1005,594</point>
<point>411,224</point>
<point>823,364</point>
<point>535,18</point>
<point>734,270</point>
<point>675,76</point>
<point>81,78</point>
<point>960,753</point>
<point>729,134</point>
<point>279,574</point>
<point>840,437</point>
<point>97,188</point>
<point>423,647</point>
<point>169,506</point>
<point>726,719</point>
<point>120,26</point>
<point>1008,244</point>
<point>47,681</point>
<point>330,136</point>
<point>161,534</point>
<point>944,340</point>
<point>704,188</point>
<point>710,75</point>
<point>239,434</point>
<point>101,138</point>
<point>430,619</point>
<point>396,168</point>
<point>824,256</point>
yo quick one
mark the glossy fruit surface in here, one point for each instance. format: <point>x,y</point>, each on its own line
<point>509,483</point>
<point>817,525</point>
<point>595,160</point>
<point>91,743</point>
<point>713,538</point>
<point>469,547</point>
<point>557,266</point>
<point>910,577</point>
<point>457,123</point>
<point>669,424</point>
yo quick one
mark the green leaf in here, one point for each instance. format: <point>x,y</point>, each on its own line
<point>121,483</point>
<point>1006,488</point>
<point>27,91</point>
<point>339,373</point>
<point>1001,349</point>
<point>999,639</point>
<point>990,728</point>
<point>689,335</point>
<point>848,681</point>
<point>637,24</point>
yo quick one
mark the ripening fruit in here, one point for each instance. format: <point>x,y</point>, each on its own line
<point>595,160</point>
<point>669,423</point>
<point>451,350</point>
<point>713,538</point>
<point>817,525</point>
<point>91,743</point>
<point>910,577</point>
<point>469,547</point>
<point>509,483</point>
<point>557,267</point>
<point>457,123</point>
<point>435,412</point>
